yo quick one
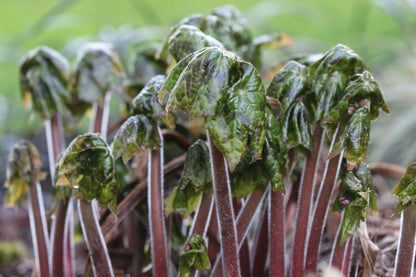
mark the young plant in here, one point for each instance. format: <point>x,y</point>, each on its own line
<point>405,191</point>
<point>87,166</point>
<point>44,75</point>
<point>23,173</point>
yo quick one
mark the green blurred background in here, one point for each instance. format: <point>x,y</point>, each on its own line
<point>382,31</point>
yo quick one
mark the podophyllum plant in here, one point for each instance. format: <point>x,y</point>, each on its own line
<point>230,210</point>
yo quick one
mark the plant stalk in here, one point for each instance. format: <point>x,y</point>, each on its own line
<point>202,215</point>
<point>277,233</point>
<point>55,141</point>
<point>100,260</point>
<point>38,229</point>
<point>305,197</point>
<point>346,263</point>
<point>405,255</point>
<point>156,212</point>
<point>261,245</point>
<point>225,214</point>
<point>100,112</point>
<point>338,249</point>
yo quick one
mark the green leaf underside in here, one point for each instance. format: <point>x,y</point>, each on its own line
<point>194,256</point>
<point>228,92</point>
<point>289,83</point>
<point>44,75</point>
<point>87,165</point>
<point>358,189</point>
<point>196,179</point>
<point>136,132</point>
<point>405,191</point>
<point>355,138</point>
<point>23,170</point>
<point>98,71</point>
<point>297,127</point>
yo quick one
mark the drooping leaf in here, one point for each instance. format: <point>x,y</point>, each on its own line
<point>136,132</point>
<point>405,191</point>
<point>187,39</point>
<point>355,137</point>
<point>363,86</point>
<point>44,75</point>
<point>297,126</point>
<point>289,83</point>
<point>194,256</point>
<point>23,170</point>
<point>87,165</point>
<point>98,70</point>
<point>196,179</point>
<point>227,92</point>
<point>356,196</point>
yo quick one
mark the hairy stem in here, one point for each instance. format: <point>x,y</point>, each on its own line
<point>100,260</point>
<point>405,255</point>
<point>58,239</point>
<point>202,215</point>
<point>338,249</point>
<point>100,112</point>
<point>38,229</point>
<point>156,212</point>
<point>277,233</point>
<point>261,245</point>
<point>55,141</point>
<point>346,263</point>
<point>225,214</point>
<point>304,203</point>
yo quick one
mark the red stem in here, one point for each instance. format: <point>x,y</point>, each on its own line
<point>304,204</point>
<point>99,120</point>
<point>38,229</point>
<point>405,255</point>
<point>225,214</point>
<point>347,258</point>
<point>58,238</point>
<point>277,234</point>
<point>97,248</point>
<point>156,213</point>
<point>261,245</point>
<point>338,249</point>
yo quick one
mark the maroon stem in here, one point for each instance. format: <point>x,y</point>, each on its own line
<point>99,120</point>
<point>338,249</point>
<point>405,255</point>
<point>320,213</point>
<point>304,203</point>
<point>347,258</point>
<point>38,229</point>
<point>97,248</point>
<point>58,239</point>
<point>55,141</point>
<point>261,245</point>
<point>277,234</point>
<point>225,214</point>
<point>156,213</point>
<point>202,215</point>
<point>244,219</point>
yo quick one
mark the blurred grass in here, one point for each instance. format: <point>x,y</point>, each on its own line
<point>381,31</point>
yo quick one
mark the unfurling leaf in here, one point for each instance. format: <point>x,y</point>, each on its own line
<point>87,165</point>
<point>405,191</point>
<point>289,83</point>
<point>227,92</point>
<point>194,256</point>
<point>136,132</point>
<point>187,39</point>
<point>44,75</point>
<point>297,127</point>
<point>147,102</point>
<point>355,137</point>
<point>98,71</point>
<point>356,195</point>
<point>196,179</point>
<point>23,170</point>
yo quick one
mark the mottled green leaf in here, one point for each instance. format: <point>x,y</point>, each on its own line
<point>297,127</point>
<point>44,75</point>
<point>23,170</point>
<point>136,132</point>
<point>97,71</point>
<point>405,191</point>
<point>87,165</point>
<point>196,179</point>
<point>228,92</point>
<point>355,137</point>
<point>187,39</point>
<point>194,257</point>
<point>289,83</point>
<point>356,195</point>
